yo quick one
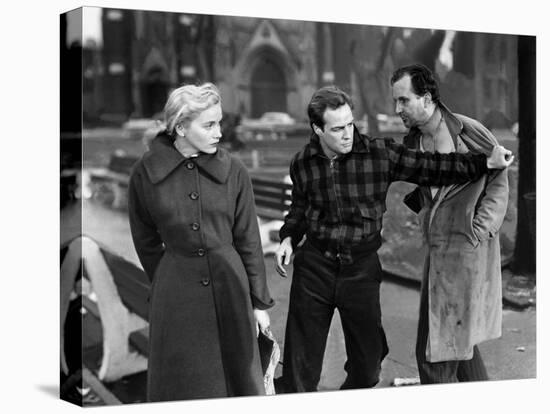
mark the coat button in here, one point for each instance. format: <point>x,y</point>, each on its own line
<point>190,165</point>
<point>194,195</point>
<point>195,226</point>
<point>205,282</point>
<point>201,252</point>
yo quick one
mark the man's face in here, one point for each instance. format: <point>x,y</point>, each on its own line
<point>337,135</point>
<point>412,108</point>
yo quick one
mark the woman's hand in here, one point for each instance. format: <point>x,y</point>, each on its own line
<point>262,321</point>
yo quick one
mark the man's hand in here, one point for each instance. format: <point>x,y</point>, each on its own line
<point>262,320</point>
<point>283,254</point>
<point>500,158</point>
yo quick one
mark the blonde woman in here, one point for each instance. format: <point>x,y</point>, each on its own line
<point>195,230</point>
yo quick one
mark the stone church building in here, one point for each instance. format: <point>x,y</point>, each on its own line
<point>265,65</point>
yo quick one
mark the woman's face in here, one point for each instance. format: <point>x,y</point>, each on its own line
<point>203,133</point>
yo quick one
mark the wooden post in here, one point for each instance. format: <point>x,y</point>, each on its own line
<point>255,159</point>
<point>525,250</point>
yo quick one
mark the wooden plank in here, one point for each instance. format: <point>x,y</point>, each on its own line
<point>269,183</point>
<point>272,198</point>
<point>140,341</point>
<point>270,193</point>
<point>270,214</point>
<point>123,266</point>
<point>276,191</point>
<point>131,282</point>
<point>103,175</point>
<point>270,204</point>
<point>269,198</point>
<point>135,301</point>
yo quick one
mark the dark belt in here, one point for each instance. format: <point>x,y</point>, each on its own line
<point>198,252</point>
<point>367,245</point>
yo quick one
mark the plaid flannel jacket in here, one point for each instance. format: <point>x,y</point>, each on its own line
<point>340,202</point>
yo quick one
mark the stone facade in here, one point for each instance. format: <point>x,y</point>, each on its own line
<point>275,65</point>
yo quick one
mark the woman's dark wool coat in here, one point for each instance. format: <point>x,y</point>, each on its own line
<point>195,230</point>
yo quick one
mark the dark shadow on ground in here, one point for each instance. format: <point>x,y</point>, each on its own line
<point>401,281</point>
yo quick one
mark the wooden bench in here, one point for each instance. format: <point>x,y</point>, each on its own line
<point>272,199</point>
<point>110,185</point>
<point>133,286</point>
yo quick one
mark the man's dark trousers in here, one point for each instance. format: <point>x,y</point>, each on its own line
<point>320,285</point>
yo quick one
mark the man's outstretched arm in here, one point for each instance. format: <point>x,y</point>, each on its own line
<point>426,168</point>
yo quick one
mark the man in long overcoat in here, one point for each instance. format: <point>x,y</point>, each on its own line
<point>461,294</point>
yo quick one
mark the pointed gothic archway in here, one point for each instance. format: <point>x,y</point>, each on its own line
<point>154,83</point>
<point>268,86</point>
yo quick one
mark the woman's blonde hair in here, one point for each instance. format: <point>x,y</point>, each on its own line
<point>186,103</point>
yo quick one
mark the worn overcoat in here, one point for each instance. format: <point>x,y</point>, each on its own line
<point>195,230</point>
<point>463,267</point>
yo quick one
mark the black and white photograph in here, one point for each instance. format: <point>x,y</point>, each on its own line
<point>290,208</point>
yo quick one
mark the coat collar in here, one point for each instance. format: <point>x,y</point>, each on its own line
<point>163,158</point>
<point>454,125</point>
<point>359,144</point>
<point>477,138</point>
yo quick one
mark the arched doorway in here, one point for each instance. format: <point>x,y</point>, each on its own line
<point>268,87</point>
<point>154,83</point>
<point>154,91</point>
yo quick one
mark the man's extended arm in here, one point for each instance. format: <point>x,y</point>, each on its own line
<point>427,168</point>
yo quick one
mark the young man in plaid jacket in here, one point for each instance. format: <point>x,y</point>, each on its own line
<point>340,181</point>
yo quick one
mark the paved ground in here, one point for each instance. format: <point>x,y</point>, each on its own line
<point>513,356</point>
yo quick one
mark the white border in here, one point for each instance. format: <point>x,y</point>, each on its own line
<point>29,289</point>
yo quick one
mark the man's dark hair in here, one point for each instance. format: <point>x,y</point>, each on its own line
<point>422,80</point>
<point>327,97</point>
